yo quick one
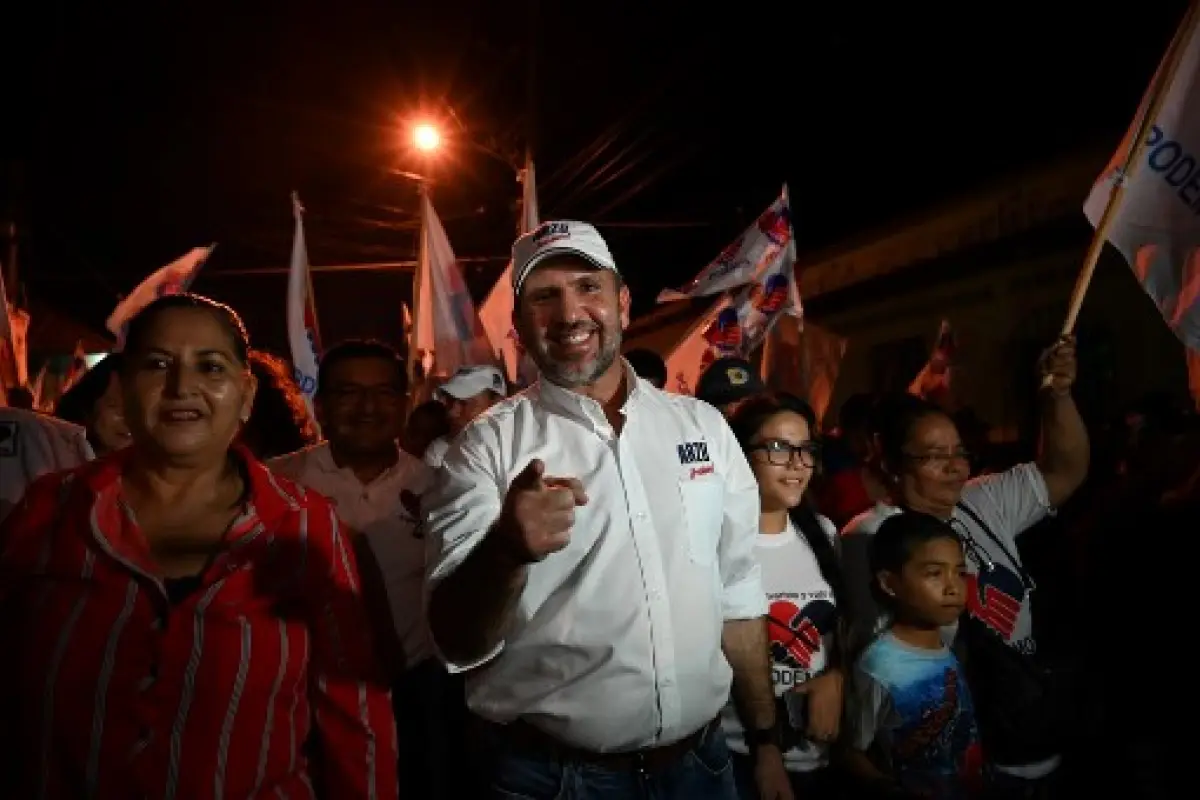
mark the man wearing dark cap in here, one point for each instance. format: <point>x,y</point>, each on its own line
<point>728,380</point>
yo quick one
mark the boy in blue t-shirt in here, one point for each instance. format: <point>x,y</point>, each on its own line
<point>914,725</point>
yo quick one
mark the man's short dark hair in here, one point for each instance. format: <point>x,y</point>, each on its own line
<point>648,364</point>
<point>353,349</point>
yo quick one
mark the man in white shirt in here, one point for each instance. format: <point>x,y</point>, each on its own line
<point>31,445</point>
<point>470,391</point>
<point>591,541</point>
<point>377,488</point>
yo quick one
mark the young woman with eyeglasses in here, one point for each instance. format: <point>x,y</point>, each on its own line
<point>803,583</point>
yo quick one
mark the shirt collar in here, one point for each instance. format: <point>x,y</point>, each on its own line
<point>583,408</point>
<point>267,502</point>
<point>323,457</point>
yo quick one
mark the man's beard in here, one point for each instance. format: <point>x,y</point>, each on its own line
<point>574,375</point>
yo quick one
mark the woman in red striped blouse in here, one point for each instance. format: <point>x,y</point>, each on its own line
<point>178,622</point>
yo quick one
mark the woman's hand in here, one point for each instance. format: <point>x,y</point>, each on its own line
<point>824,705</point>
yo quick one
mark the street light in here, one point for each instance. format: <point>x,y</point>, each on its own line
<point>426,138</point>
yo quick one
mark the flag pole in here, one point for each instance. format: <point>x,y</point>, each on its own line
<point>1129,166</point>
<point>422,266</point>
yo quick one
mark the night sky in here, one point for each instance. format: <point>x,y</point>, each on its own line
<point>131,137</point>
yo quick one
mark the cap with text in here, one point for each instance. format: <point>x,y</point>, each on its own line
<point>469,381</point>
<point>558,238</point>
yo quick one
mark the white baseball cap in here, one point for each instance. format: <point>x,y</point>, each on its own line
<point>470,381</point>
<point>561,237</point>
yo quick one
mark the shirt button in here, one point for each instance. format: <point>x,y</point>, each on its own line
<point>641,515</point>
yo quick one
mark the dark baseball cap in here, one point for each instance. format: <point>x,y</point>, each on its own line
<point>728,380</point>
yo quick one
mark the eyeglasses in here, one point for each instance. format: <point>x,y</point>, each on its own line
<point>781,452</point>
<point>941,459</point>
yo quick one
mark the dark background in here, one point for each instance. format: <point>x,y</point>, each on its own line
<point>134,133</point>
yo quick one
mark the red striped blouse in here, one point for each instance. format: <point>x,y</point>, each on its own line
<point>260,683</point>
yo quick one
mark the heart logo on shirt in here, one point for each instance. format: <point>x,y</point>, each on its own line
<point>994,597</point>
<point>795,632</point>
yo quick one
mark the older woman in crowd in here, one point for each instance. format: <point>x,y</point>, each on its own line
<point>188,624</point>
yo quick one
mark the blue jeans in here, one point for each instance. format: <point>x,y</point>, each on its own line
<point>703,773</point>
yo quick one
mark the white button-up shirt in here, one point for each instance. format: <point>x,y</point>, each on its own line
<point>387,512</point>
<point>616,642</point>
<point>32,444</point>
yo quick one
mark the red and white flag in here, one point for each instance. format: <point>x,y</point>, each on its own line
<point>769,239</point>
<point>174,278</point>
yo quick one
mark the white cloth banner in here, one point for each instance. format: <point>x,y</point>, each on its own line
<point>1157,223</point>
<point>303,340</point>
<point>745,258</point>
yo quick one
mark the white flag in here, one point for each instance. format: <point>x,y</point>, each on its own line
<point>496,313</point>
<point>301,314</point>
<point>745,258</point>
<point>445,321</point>
<point>174,278</point>
<point>1156,224</point>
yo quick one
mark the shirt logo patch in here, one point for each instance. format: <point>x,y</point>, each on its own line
<point>692,452</point>
<point>698,471</point>
<point>737,376</point>
<point>551,232</point>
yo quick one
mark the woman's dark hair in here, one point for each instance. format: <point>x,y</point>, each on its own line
<point>892,423</point>
<point>746,419</point>
<point>78,403</point>
<point>279,422</point>
<point>139,326</point>
<point>895,542</point>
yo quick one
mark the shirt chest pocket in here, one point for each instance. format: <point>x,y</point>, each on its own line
<point>703,501</point>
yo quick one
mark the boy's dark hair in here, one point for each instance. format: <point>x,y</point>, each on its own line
<point>351,349</point>
<point>895,542</point>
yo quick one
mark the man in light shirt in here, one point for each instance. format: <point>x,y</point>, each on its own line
<point>31,445</point>
<point>469,392</point>
<point>591,542</point>
<point>376,488</point>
